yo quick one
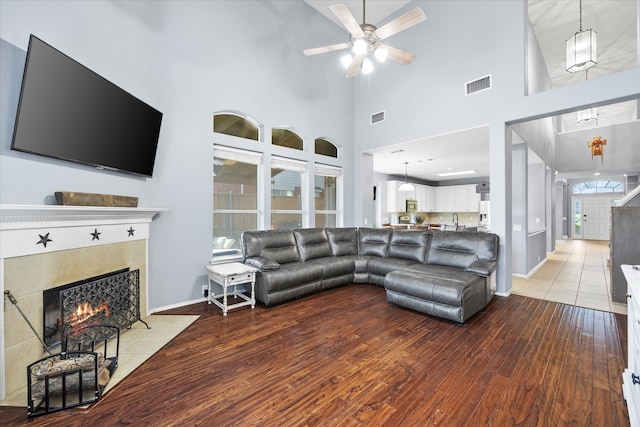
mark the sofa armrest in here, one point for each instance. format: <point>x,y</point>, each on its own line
<point>262,263</point>
<point>482,268</point>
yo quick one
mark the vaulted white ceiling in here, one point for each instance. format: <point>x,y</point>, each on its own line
<point>553,21</point>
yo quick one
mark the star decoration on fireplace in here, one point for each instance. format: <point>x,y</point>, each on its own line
<point>96,235</point>
<point>44,240</point>
<point>131,231</point>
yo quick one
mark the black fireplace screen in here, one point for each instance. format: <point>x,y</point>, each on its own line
<point>111,299</point>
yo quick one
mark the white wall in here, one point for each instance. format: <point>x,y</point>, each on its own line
<point>188,59</point>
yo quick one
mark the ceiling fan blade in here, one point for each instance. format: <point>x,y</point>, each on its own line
<point>344,15</point>
<point>409,19</point>
<point>324,49</point>
<point>353,69</point>
<point>398,55</point>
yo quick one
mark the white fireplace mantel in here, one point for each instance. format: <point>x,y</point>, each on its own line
<point>40,229</point>
<point>24,228</point>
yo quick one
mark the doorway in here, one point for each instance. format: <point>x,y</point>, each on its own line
<point>591,217</point>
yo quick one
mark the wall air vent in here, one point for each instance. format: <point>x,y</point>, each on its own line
<point>478,85</point>
<point>377,117</point>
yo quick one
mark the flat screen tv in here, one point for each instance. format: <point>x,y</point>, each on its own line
<point>66,111</point>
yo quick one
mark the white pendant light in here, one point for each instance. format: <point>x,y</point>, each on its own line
<point>581,49</point>
<point>406,186</point>
<point>587,115</point>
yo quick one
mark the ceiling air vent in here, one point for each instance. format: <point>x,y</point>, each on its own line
<point>478,85</point>
<point>377,117</point>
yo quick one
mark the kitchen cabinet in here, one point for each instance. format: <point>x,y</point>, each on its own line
<point>630,376</point>
<point>445,199</point>
<point>457,198</point>
<point>397,200</point>
<point>426,197</point>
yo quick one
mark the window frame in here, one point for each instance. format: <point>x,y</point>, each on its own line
<point>334,171</point>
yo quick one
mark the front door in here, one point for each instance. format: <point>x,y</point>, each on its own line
<point>596,217</point>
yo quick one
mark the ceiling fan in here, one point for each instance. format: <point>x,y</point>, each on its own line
<point>366,38</point>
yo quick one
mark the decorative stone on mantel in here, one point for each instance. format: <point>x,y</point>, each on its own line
<point>40,230</point>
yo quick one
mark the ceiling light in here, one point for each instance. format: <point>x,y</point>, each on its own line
<point>406,186</point>
<point>587,115</point>
<point>346,60</point>
<point>381,53</point>
<point>581,49</point>
<point>597,173</point>
<point>359,46</point>
<point>367,66</point>
<point>457,173</point>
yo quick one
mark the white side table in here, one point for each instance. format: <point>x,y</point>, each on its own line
<point>229,275</point>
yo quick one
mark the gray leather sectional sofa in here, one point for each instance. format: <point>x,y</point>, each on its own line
<point>447,274</point>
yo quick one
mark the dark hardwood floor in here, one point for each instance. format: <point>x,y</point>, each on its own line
<point>345,357</point>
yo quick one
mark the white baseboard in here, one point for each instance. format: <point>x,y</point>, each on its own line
<point>178,305</point>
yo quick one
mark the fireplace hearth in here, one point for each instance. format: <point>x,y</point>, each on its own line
<point>109,299</point>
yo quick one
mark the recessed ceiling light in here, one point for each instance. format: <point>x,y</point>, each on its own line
<point>597,173</point>
<point>457,173</point>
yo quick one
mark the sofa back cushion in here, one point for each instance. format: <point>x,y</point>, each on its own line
<point>343,241</point>
<point>276,245</point>
<point>461,249</point>
<point>312,243</point>
<point>374,241</point>
<point>410,244</point>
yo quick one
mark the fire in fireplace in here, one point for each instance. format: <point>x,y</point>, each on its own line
<point>108,299</point>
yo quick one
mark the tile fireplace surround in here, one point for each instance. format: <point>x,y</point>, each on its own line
<point>44,246</point>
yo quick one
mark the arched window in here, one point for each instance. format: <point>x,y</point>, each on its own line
<point>326,148</point>
<point>286,138</point>
<point>598,187</point>
<point>236,125</point>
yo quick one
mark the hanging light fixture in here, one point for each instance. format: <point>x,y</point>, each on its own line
<point>590,113</point>
<point>406,186</point>
<point>597,147</point>
<point>581,49</point>
<point>587,115</point>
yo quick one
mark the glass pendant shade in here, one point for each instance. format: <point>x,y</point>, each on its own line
<point>406,187</point>
<point>581,51</point>
<point>346,60</point>
<point>381,53</point>
<point>367,66</point>
<point>587,115</point>
<point>359,47</point>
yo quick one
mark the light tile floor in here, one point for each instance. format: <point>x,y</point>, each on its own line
<point>137,344</point>
<point>576,274</point>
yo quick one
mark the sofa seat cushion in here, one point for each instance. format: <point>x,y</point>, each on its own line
<point>448,288</point>
<point>382,266</point>
<point>455,295</point>
<point>288,276</point>
<point>334,266</point>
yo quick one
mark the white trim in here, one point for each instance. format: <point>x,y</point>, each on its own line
<point>288,164</point>
<point>244,156</point>
<point>326,170</point>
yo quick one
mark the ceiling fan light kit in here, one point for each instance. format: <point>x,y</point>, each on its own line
<point>365,38</point>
